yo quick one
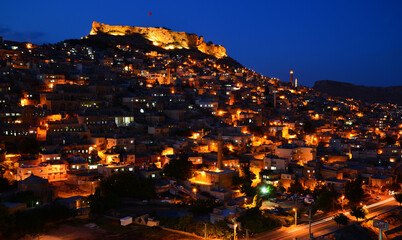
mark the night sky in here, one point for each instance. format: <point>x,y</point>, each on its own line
<point>357,41</point>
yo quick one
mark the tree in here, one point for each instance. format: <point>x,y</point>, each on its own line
<point>244,182</point>
<point>27,197</point>
<point>326,201</point>
<point>296,187</point>
<point>202,206</point>
<point>399,178</point>
<point>120,185</point>
<point>186,223</point>
<point>398,198</point>
<point>341,219</point>
<point>256,222</point>
<point>6,185</point>
<point>353,190</point>
<point>179,168</point>
<point>281,189</point>
<point>393,187</point>
<point>222,230</point>
<point>358,212</point>
<point>126,184</point>
<point>342,202</point>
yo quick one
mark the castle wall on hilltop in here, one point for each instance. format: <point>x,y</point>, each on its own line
<point>162,37</point>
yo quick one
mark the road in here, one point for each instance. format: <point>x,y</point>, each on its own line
<point>325,225</point>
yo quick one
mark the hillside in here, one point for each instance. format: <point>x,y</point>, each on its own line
<point>368,94</point>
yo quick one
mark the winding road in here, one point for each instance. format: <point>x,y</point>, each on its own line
<point>325,225</point>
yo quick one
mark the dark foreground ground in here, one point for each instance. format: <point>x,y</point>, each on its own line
<point>103,229</point>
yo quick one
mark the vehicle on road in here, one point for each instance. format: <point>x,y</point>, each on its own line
<point>378,198</point>
<point>308,200</point>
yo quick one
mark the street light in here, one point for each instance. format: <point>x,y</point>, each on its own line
<point>343,197</point>
<point>235,226</point>
<point>265,190</point>
<point>295,210</point>
<point>205,231</point>
<point>195,192</point>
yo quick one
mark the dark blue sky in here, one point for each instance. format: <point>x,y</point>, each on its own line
<point>358,41</point>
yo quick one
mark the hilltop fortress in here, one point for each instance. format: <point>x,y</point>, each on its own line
<point>162,37</point>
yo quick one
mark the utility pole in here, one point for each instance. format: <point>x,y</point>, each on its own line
<point>235,226</point>
<point>309,224</point>
<point>343,197</point>
<point>247,234</point>
<point>205,231</point>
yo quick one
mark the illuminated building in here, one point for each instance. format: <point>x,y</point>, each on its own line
<point>52,171</point>
<point>108,170</point>
<point>379,181</point>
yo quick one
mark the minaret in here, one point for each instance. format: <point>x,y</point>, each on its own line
<point>291,77</point>
<point>296,82</point>
<point>220,152</point>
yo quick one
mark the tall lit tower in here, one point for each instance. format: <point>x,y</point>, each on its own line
<point>291,77</point>
<point>296,82</point>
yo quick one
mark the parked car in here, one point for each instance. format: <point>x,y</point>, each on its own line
<point>308,200</point>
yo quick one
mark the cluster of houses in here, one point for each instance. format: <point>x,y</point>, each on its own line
<point>75,113</point>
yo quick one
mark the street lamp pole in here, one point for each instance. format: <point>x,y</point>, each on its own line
<point>205,231</point>
<point>195,193</point>
<point>343,197</point>
<point>309,223</point>
<point>295,210</point>
<point>235,226</point>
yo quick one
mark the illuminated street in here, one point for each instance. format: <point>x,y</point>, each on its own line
<point>327,225</point>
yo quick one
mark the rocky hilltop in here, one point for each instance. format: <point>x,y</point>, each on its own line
<point>162,37</point>
<point>368,94</point>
